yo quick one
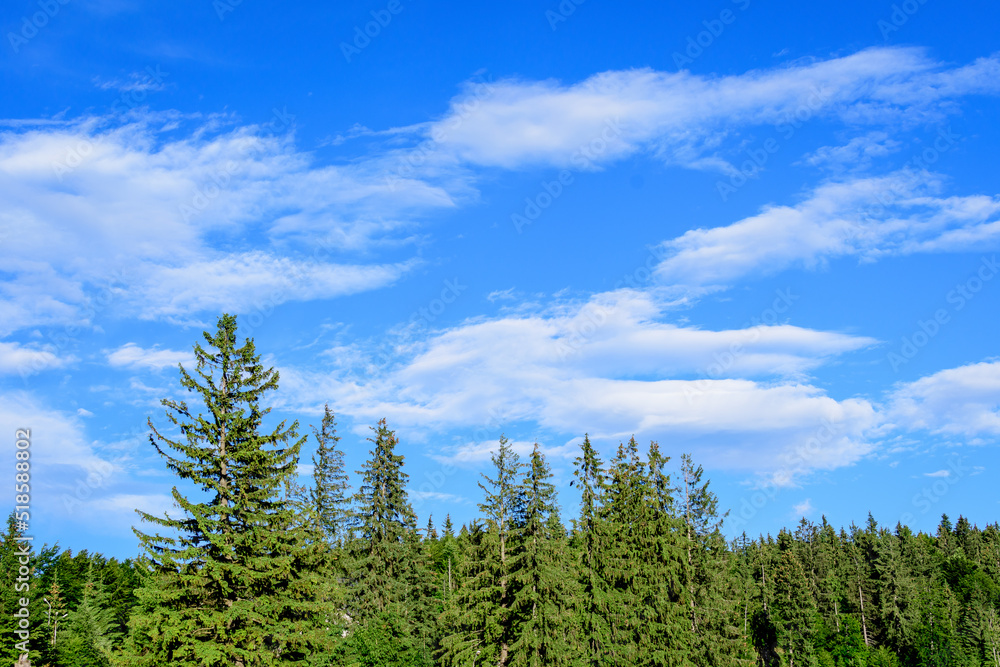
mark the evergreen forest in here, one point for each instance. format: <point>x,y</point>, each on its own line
<point>253,569</point>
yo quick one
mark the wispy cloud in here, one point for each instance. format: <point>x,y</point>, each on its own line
<point>963,401</point>
<point>868,218</point>
<point>682,117</point>
<point>803,509</point>
<point>180,211</point>
<point>131,355</point>
<point>21,360</point>
<point>630,373</point>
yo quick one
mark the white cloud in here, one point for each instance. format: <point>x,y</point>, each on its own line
<point>609,367</point>
<point>24,361</point>
<point>963,401</point>
<point>420,496</point>
<point>58,444</point>
<point>501,295</point>
<point>131,355</point>
<point>938,473</point>
<point>803,509</point>
<point>682,117</point>
<point>856,153</point>
<point>91,208</point>
<point>864,217</point>
<point>122,507</point>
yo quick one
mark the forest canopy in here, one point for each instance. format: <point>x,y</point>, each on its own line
<point>257,570</point>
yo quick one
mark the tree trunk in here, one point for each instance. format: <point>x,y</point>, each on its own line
<point>864,626</point>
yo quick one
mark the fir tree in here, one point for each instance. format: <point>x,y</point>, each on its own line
<point>91,629</point>
<point>392,582</point>
<point>329,495</point>
<point>591,539</point>
<point>481,618</point>
<point>233,581</point>
<point>539,576</point>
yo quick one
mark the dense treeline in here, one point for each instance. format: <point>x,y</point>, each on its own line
<point>79,606</point>
<point>258,570</point>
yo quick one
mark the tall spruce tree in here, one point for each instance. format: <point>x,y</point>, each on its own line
<point>591,542</point>
<point>91,631</point>
<point>649,616</point>
<point>391,583</point>
<point>713,588</point>
<point>329,495</point>
<point>540,577</point>
<point>480,623</point>
<point>232,581</point>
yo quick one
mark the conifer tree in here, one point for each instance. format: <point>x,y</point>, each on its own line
<point>471,624</point>
<point>329,495</point>
<point>591,539</point>
<point>540,579</point>
<point>391,583</point>
<point>649,616</point>
<point>91,630</point>
<point>481,618</point>
<point>232,582</point>
<point>794,608</point>
<point>711,584</point>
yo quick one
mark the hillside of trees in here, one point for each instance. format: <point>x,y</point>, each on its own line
<point>257,570</point>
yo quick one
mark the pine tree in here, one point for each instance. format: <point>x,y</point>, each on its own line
<point>481,622</point>
<point>711,584</point>
<point>473,628</point>
<point>233,581</point>
<point>392,583</point>
<point>540,580</point>
<point>329,495</point>
<point>649,614</point>
<point>794,608</point>
<point>91,629</point>
<point>591,540</point>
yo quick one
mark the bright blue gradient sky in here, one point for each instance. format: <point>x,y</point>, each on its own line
<point>762,233</point>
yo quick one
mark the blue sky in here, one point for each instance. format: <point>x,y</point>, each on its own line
<point>762,233</point>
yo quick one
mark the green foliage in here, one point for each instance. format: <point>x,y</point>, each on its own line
<point>329,495</point>
<point>257,570</point>
<point>232,581</point>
